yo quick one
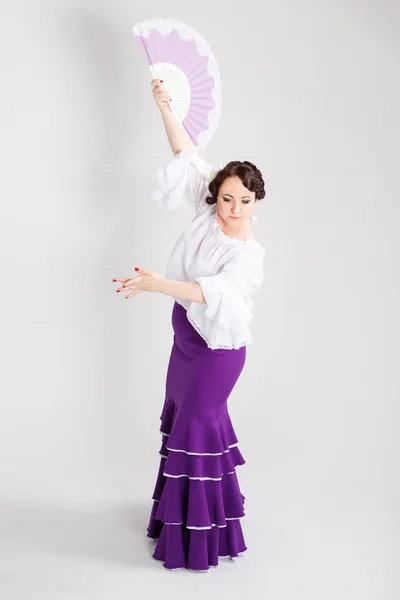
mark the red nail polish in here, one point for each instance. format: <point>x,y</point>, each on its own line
<point>118,291</point>
<point>114,280</point>
<point>161,80</point>
<point>136,268</point>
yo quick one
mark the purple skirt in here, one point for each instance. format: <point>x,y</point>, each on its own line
<point>197,502</point>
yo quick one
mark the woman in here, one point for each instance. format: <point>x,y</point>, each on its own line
<point>214,268</point>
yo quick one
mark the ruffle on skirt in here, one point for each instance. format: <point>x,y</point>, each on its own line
<point>197,500</point>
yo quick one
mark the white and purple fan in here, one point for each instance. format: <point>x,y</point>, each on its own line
<point>181,57</point>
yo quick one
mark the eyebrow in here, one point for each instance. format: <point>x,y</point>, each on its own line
<point>232,196</point>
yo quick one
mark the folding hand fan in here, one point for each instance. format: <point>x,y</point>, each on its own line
<point>181,57</point>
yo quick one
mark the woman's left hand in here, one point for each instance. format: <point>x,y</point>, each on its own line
<point>146,281</point>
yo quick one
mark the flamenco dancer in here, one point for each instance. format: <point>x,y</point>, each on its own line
<point>214,268</point>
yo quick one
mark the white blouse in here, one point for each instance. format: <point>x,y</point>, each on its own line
<point>228,270</point>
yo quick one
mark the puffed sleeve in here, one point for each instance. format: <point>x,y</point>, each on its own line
<point>183,181</point>
<point>224,321</point>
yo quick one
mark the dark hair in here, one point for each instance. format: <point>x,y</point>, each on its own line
<point>248,173</point>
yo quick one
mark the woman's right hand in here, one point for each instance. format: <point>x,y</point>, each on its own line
<point>160,94</point>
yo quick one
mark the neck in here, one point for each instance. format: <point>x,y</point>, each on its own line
<point>241,233</point>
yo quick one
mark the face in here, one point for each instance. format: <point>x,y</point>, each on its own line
<point>235,200</point>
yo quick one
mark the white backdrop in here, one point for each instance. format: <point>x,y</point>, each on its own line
<point>311,95</point>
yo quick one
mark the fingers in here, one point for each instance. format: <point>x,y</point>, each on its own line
<point>143,271</point>
<point>124,288</point>
<point>129,283</point>
<point>132,294</point>
<point>128,286</point>
<point>126,283</point>
<point>160,94</point>
<point>129,280</point>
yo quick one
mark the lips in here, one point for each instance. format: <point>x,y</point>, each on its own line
<point>235,218</point>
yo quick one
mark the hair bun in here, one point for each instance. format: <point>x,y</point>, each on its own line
<point>248,173</point>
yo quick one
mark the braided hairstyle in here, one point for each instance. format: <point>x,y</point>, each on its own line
<point>247,172</point>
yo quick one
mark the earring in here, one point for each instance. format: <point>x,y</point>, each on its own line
<point>253,218</point>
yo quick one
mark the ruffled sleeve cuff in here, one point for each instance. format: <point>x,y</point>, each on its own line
<point>224,321</point>
<point>183,181</point>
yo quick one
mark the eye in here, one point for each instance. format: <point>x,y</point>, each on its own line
<point>229,199</point>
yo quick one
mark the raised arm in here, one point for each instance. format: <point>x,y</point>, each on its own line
<point>176,135</point>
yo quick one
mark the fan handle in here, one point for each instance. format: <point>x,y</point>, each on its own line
<point>170,104</point>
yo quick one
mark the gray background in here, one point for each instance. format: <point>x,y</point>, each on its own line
<point>311,95</point>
